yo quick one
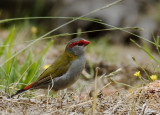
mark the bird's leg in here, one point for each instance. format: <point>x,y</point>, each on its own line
<point>54,92</point>
<point>58,98</point>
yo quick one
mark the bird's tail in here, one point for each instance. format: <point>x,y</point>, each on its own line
<point>18,92</point>
<point>23,89</point>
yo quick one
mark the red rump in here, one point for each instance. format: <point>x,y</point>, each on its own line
<point>29,86</point>
<point>83,42</point>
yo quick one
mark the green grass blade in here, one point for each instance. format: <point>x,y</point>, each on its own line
<point>30,74</point>
<point>35,67</point>
<point>46,49</point>
<point>9,64</point>
<point>157,42</point>
<point>2,48</point>
<point>8,54</point>
<point>31,18</point>
<point>147,52</point>
<point>39,62</point>
<point>13,76</point>
<point>28,62</point>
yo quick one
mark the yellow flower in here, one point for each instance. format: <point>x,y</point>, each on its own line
<point>137,73</point>
<point>153,77</point>
<point>34,30</point>
<point>45,66</point>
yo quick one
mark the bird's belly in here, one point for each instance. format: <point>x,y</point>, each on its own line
<point>70,77</point>
<point>65,82</point>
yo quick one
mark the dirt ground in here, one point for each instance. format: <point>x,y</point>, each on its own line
<point>144,100</point>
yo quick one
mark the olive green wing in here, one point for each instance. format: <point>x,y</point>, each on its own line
<point>57,69</point>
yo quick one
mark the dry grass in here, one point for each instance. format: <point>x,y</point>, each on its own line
<point>144,100</point>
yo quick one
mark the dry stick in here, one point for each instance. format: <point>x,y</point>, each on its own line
<point>49,89</point>
<point>95,93</point>
<point>104,87</point>
<point>92,12</point>
<point>143,109</point>
<point>112,74</point>
<point>48,95</point>
<point>122,83</point>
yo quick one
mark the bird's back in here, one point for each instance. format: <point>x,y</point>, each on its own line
<point>57,69</point>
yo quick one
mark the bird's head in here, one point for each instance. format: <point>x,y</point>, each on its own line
<point>77,46</point>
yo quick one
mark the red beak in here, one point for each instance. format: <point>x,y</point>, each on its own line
<point>86,42</point>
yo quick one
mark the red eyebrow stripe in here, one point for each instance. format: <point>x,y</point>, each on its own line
<point>81,41</point>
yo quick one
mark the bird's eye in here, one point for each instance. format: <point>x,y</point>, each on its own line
<point>80,44</point>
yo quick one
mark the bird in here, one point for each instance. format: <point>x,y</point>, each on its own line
<point>64,71</point>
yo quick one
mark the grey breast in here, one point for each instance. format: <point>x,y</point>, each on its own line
<point>71,75</point>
